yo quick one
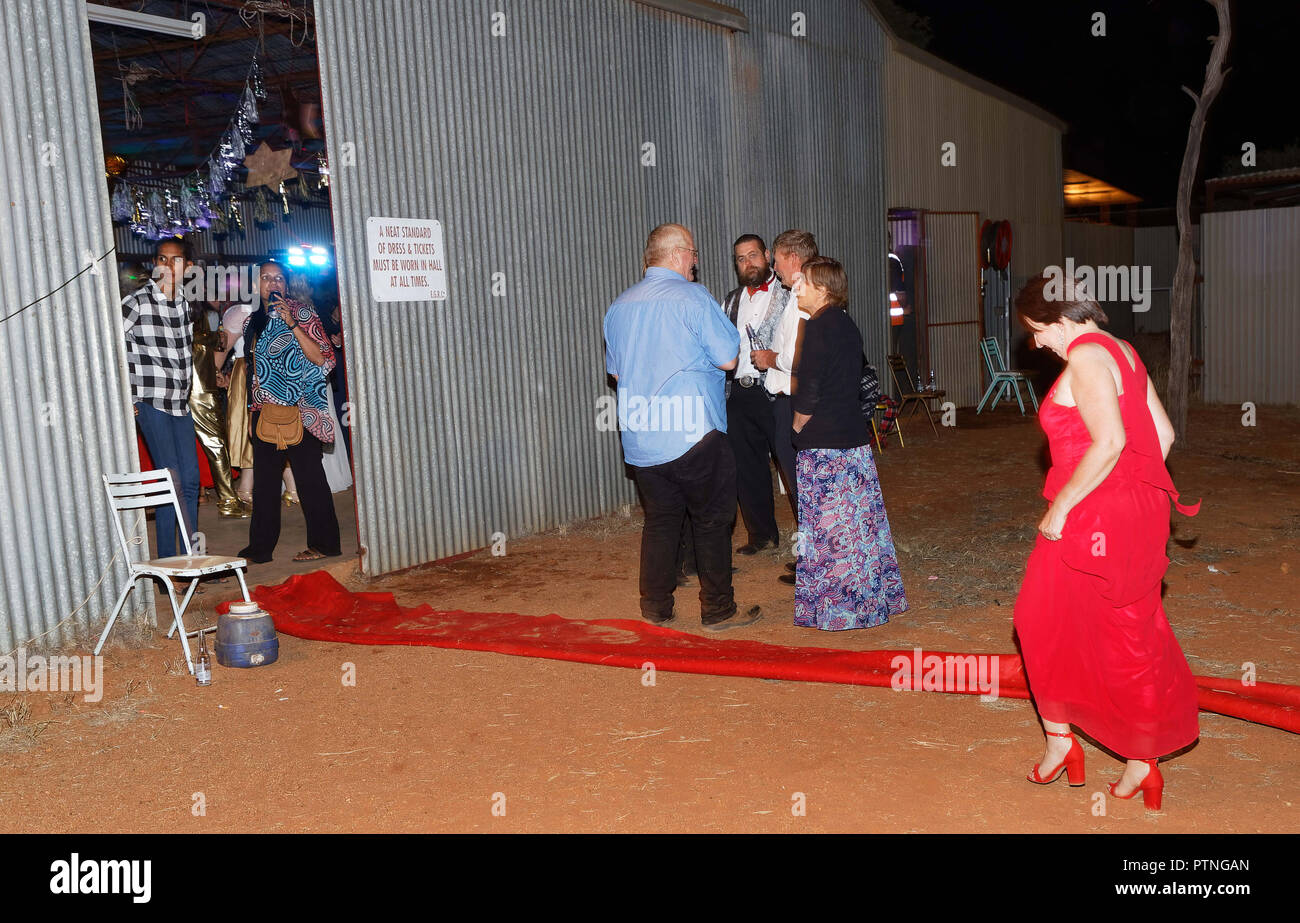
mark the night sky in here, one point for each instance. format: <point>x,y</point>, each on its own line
<point>1121,93</point>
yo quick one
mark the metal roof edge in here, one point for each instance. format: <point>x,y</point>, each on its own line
<point>717,14</point>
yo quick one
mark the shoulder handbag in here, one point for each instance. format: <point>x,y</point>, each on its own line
<point>276,424</point>
<point>279,425</point>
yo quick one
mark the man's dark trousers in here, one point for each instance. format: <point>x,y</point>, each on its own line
<point>313,493</point>
<point>783,446</point>
<point>170,439</point>
<point>703,483</point>
<point>753,434</point>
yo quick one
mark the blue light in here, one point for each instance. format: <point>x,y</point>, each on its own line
<point>298,260</point>
<point>318,259</point>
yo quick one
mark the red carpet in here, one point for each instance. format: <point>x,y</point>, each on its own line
<point>317,607</point>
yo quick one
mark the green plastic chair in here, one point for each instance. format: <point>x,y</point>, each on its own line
<point>1002,378</point>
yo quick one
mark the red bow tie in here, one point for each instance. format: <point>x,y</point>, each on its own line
<point>755,290</point>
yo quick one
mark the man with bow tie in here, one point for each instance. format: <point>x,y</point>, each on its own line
<point>757,308</point>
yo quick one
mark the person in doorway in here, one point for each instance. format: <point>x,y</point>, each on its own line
<point>757,307</point>
<point>238,415</point>
<point>334,457</point>
<point>209,420</point>
<point>238,442</point>
<point>289,357</point>
<point>160,359</point>
<point>667,346</point>
<point>848,575</point>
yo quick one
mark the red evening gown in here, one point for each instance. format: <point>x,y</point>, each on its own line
<point>1098,651</point>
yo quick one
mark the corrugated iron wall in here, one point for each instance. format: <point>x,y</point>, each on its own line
<point>1156,247</point>
<point>1251,306</point>
<point>1103,245</point>
<point>478,414</point>
<point>1008,162</point>
<point>64,402</point>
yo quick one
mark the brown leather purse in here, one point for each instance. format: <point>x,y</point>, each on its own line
<point>279,425</point>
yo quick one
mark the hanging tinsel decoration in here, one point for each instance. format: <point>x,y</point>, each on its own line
<point>121,206</point>
<point>255,80</point>
<point>302,191</point>
<point>284,199</point>
<point>243,127</point>
<point>248,108</point>
<point>261,207</point>
<point>155,219</point>
<point>219,226</point>
<point>173,221</point>
<point>236,216</point>
<point>189,206</point>
<point>204,206</point>
<point>216,183</point>
<point>237,150</point>
<point>196,201</point>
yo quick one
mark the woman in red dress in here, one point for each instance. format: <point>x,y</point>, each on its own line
<point>1097,648</point>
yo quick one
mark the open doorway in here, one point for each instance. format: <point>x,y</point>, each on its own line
<point>939,338</point>
<point>218,140</point>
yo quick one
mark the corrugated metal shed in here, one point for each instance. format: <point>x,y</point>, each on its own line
<point>1008,153</point>
<point>1251,306</point>
<point>478,414</point>
<point>1098,245</point>
<point>64,401</point>
<point>1156,247</point>
<point>1008,167</point>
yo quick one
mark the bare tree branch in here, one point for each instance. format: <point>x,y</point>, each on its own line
<point>1184,289</point>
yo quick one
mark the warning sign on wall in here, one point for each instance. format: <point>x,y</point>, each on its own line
<point>407,261</point>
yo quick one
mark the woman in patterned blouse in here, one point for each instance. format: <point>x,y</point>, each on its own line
<point>289,358</point>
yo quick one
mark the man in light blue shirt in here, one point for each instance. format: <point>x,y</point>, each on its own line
<point>668,345</point>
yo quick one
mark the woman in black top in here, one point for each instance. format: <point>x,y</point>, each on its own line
<point>847,575</point>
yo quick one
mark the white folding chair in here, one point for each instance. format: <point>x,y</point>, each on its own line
<point>140,491</point>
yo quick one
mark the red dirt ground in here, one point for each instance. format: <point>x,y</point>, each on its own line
<point>431,740</point>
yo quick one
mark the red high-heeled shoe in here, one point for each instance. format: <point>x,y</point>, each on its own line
<point>1072,765</point>
<point>1152,787</point>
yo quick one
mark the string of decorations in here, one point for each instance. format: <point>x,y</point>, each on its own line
<point>199,199</point>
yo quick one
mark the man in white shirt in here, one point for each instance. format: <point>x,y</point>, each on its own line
<point>757,308</point>
<point>778,362</point>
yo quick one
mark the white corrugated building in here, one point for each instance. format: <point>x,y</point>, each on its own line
<point>1006,165</point>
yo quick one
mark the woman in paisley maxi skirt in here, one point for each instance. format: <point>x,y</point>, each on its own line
<point>847,575</point>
